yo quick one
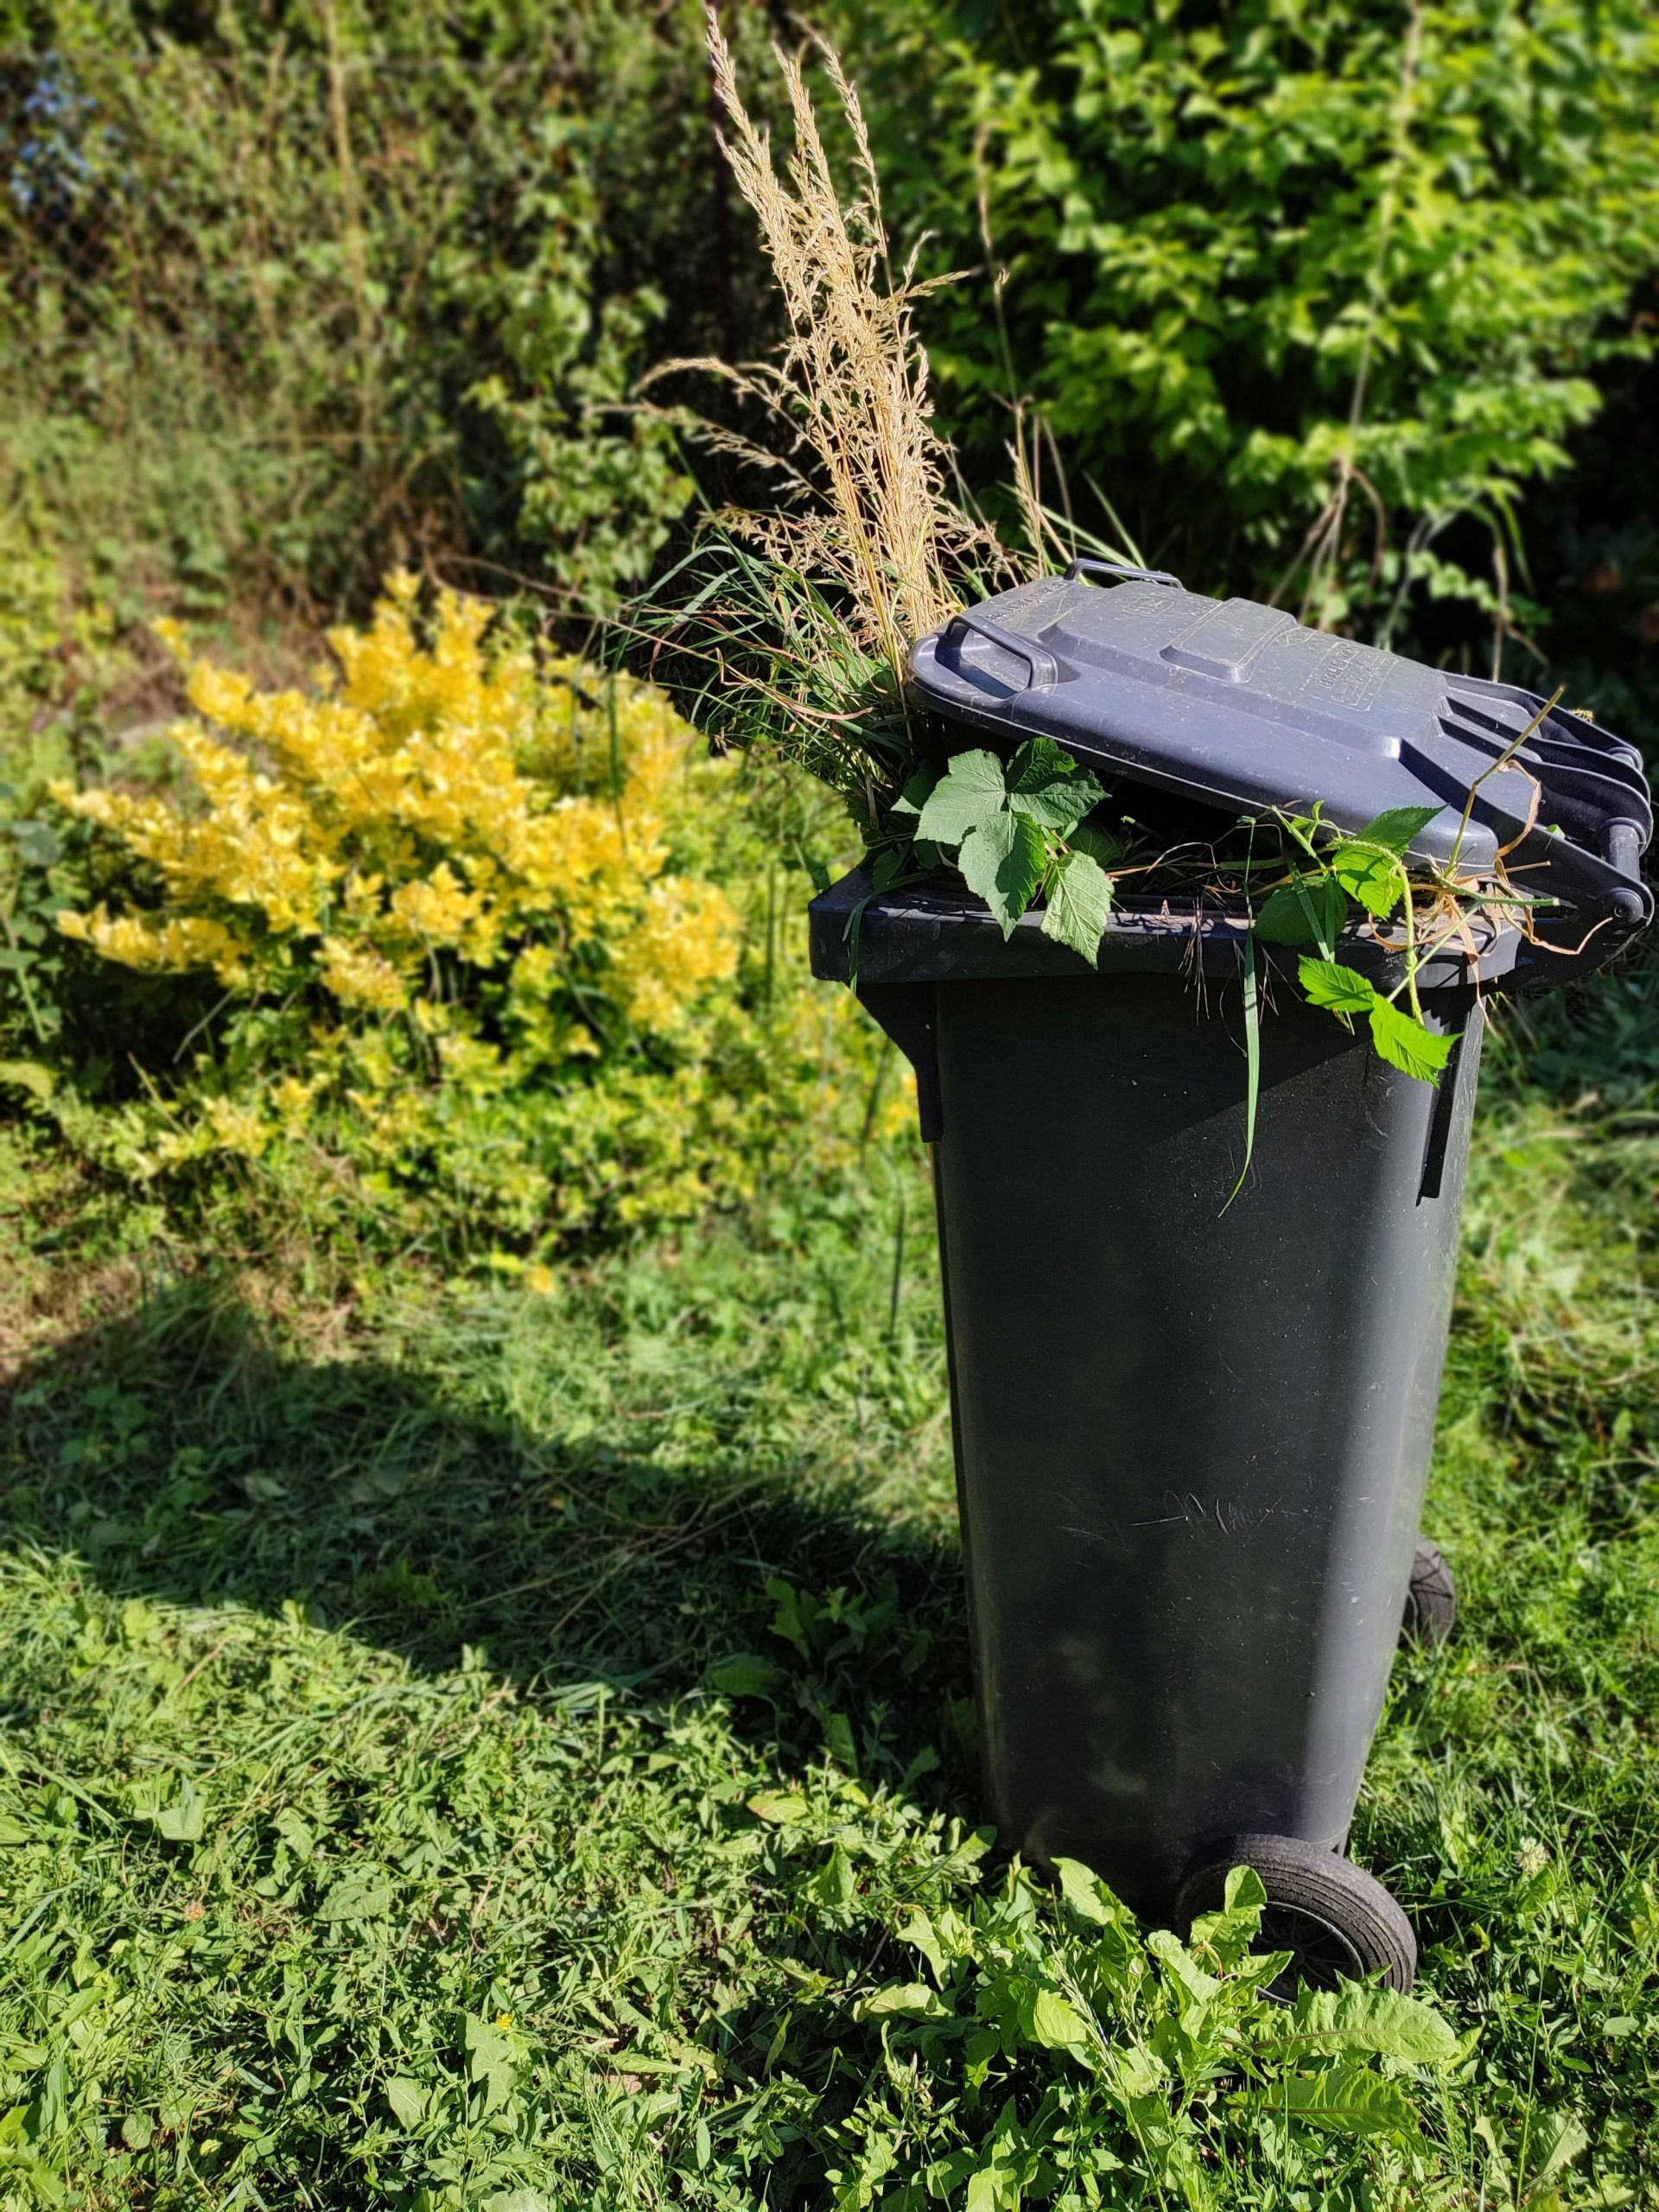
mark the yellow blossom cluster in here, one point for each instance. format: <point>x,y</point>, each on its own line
<point>462,898</point>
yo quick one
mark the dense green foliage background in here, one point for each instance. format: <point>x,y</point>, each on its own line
<point>1315,298</point>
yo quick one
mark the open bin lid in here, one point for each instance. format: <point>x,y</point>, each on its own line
<point>1237,705</point>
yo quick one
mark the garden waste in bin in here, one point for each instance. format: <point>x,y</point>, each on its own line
<point>1193,1437</point>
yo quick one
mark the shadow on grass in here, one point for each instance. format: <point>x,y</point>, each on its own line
<point>182,1459</point>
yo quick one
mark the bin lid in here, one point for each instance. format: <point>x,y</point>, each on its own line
<point>1238,705</point>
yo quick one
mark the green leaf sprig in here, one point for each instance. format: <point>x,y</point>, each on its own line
<point>1019,834</point>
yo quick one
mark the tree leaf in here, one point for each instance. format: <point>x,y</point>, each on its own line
<point>1401,1041</point>
<point>1046,783</point>
<point>1310,910</point>
<point>1372,874</point>
<point>1328,983</point>
<point>1355,2100</point>
<point>1100,845</point>
<point>970,792</point>
<point>1002,860</point>
<point>1398,826</point>
<point>1079,905</point>
<point>916,792</point>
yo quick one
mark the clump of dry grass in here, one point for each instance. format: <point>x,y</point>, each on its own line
<point>817,597</point>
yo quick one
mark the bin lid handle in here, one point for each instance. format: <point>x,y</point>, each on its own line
<point>1082,567</point>
<point>1045,669</point>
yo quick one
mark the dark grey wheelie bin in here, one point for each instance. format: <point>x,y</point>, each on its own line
<point>1192,1437</point>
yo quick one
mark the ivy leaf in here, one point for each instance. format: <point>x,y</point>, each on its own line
<point>1079,905</point>
<point>1372,874</point>
<point>1355,2100</point>
<point>1310,910</point>
<point>971,791</point>
<point>1045,783</point>
<point>1327,983</point>
<point>1401,1041</point>
<point>1002,859</point>
<point>1398,826</point>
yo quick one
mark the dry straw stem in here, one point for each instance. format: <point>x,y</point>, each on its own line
<point>864,512</point>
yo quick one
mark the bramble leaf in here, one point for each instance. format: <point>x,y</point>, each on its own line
<point>1311,910</point>
<point>1398,826</point>
<point>1002,859</point>
<point>972,790</point>
<point>1401,1041</point>
<point>1372,874</point>
<point>1079,905</point>
<point>1327,983</point>
<point>1046,783</point>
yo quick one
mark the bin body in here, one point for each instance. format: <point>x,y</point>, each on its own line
<point>1191,1442</point>
<point>1192,1435</point>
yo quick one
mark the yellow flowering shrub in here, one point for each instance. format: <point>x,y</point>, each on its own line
<point>490,926</point>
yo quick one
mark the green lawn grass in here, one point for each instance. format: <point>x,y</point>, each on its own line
<point>463,1749</point>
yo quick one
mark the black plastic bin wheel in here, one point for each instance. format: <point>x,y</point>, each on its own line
<point>1430,1597</point>
<point>1339,1920</point>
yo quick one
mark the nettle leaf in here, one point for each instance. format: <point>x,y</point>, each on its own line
<point>1404,1041</point>
<point>972,791</point>
<point>1398,826</point>
<point>1046,783</point>
<point>1002,860</point>
<point>1380,2020</point>
<point>1355,2100</point>
<point>1079,905</point>
<point>1310,910</point>
<point>1328,983</point>
<point>1372,874</point>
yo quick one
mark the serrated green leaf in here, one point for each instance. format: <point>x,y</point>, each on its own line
<point>1045,783</point>
<point>972,791</point>
<point>1310,910</point>
<point>1380,2020</point>
<point>916,792</point>
<point>1372,874</point>
<point>1397,827</point>
<point>1100,845</point>
<point>1002,861</point>
<point>1354,2100</point>
<point>1328,983</point>
<point>1079,905</point>
<point>1401,1041</point>
<point>747,1673</point>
